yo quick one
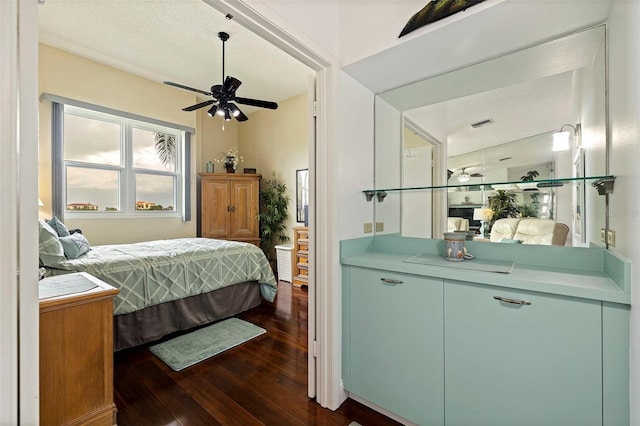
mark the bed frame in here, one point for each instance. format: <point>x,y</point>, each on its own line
<point>157,321</point>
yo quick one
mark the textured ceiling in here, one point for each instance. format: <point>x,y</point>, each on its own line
<point>173,40</point>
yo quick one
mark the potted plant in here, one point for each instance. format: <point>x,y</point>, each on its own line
<point>273,213</point>
<point>504,204</point>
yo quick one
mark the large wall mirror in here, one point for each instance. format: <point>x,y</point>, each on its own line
<point>493,122</point>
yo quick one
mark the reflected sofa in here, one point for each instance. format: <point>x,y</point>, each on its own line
<point>529,231</point>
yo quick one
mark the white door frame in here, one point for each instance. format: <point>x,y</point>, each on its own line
<point>327,365</point>
<point>9,216</point>
<point>19,310</point>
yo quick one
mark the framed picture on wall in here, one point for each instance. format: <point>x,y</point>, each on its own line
<point>579,199</point>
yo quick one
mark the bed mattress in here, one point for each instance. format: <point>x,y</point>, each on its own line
<point>155,272</point>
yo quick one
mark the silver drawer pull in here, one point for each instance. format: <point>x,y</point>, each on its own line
<point>511,301</point>
<point>390,281</point>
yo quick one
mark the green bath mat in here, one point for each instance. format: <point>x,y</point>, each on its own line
<point>189,349</point>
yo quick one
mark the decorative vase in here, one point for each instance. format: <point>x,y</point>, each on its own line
<point>210,167</point>
<point>454,246</point>
<point>229,165</point>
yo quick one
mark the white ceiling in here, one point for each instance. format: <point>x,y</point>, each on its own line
<point>172,40</point>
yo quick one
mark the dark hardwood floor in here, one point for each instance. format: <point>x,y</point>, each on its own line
<point>262,382</point>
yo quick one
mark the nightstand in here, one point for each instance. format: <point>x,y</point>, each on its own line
<point>76,354</point>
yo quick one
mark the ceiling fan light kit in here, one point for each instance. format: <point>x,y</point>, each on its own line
<point>224,94</point>
<point>464,175</point>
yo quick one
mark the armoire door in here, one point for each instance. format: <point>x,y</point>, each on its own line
<point>244,209</point>
<point>216,204</point>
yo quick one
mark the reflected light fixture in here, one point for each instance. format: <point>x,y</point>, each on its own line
<point>483,215</point>
<point>561,137</point>
<point>464,176</point>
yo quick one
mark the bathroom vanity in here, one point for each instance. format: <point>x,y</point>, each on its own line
<point>520,335</point>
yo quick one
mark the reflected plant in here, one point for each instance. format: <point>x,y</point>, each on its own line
<point>528,210</point>
<point>504,204</point>
<point>530,176</point>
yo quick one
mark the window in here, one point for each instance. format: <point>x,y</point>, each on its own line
<point>112,164</point>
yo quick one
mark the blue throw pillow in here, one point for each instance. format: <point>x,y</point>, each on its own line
<point>75,245</point>
<point>50,249</point>
<point>58,226</point>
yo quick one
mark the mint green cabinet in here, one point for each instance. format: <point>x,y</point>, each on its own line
<point>393,342</point>
<point>535,363</point>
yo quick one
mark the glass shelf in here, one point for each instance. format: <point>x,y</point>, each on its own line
<point>603,184</point>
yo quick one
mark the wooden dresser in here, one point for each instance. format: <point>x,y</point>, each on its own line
<point>229,205</point>
<point>300,255</point>
<point>76,357</point>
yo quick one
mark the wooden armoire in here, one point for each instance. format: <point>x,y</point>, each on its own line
<point>229,206</point>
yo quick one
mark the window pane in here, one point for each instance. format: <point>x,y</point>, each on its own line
<point>92,189</point>
<point>154,192</point>
<point>91,140</point>
<point>154,150</point>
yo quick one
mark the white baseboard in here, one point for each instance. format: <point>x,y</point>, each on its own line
<point>381,410</point>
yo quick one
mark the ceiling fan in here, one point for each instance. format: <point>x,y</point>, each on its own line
<point>224,95</point>
<point>464,176</point>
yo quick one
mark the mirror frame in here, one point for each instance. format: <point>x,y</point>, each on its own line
<point>302,195</point>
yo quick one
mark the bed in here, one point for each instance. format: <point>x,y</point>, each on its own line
<point>171,285</point>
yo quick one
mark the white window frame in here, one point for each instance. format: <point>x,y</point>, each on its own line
<point>127,190</point>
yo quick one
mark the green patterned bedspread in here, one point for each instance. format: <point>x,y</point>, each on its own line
<point>154,272</point>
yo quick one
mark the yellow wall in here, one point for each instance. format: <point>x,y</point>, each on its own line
<point>215,140</point>
<point>73,77</point>
<point>277,141</point>
<point>269,140</point>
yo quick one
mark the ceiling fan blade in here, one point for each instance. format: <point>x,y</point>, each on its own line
<point>230,84</point>
<point>181,86</point>
<point>257,103</point>
<point>476,175</point>
<point>198,106</point>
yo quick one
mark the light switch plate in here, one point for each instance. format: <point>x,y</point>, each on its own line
<point>602,237</point>
<point>379,226</point>
<point>611,238</point>
<point>368,228</point>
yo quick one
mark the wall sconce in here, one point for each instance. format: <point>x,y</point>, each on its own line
<point>561,137</point>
